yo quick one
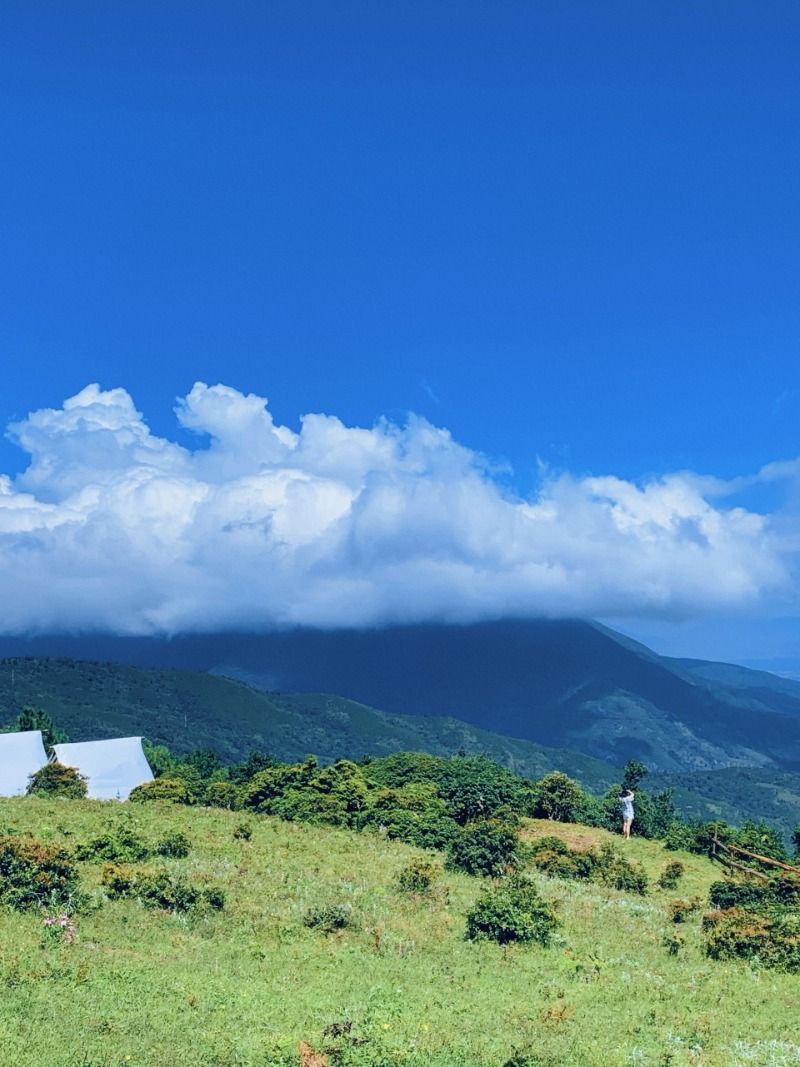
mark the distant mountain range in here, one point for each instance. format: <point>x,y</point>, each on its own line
<point>534,695</point>
<point>559,683</point>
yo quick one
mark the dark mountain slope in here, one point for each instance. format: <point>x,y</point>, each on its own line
<point>192,709</point>
<point>562,683</point>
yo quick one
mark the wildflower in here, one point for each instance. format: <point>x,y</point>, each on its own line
<point>61,923</point>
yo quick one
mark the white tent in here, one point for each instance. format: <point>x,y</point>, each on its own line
<point>21,755</point>
<point>112,767</point>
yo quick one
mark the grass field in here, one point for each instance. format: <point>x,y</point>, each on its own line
<point>244,986</point>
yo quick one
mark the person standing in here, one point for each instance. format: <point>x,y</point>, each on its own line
<point>626,800</point>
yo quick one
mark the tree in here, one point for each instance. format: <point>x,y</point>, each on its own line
<point>255,762</point>
<point>37,719</point>
<point>632,774</point>
<point>56,780</point>
<point>796,841</point>
<point>558,797</point>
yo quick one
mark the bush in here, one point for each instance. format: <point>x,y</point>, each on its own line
<point>681,837</point>
<point>558,797</point>
<point>221,795</point>
<point>617,871</point>
<point>552,856</point>
<point>243,831</point>
<point>329,918</point>
<point>175,844</point>
<point>679,910</point>
<point>423,829</point>
<point>33,875</point>
<point>764,896</point>
<point>56,780</point>
<point>123,845</point>
<point>513,910</point>
<point>161,889</point>
<point>673,942</point>
<point>419,876</point>
<point>738,933</point>
<point>487,848</point>
<point>173,789</point>
<point>119,879</point>
<point>671,875</point>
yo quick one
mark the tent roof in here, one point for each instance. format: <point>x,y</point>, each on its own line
<point>21,755</point>
<point>112,767</point>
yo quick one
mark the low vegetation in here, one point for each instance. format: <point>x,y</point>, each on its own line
<point>410,909</point>
<point>271,933</point>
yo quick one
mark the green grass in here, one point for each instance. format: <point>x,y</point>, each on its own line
<point>243,987</point>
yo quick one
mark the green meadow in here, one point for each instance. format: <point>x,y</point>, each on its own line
<point>620,983</point>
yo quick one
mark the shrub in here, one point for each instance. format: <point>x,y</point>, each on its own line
<point>552,856</point>
<point>671,875</point>
<point>673,942</point>
<point>679,910</point>
<point>56,780</point>
<point>123,845</point>
<point>763,896</point>
<point>243,831</point>
<point>738,933</point>
<point>681,836</point>
<point>33,874</point>
<point>419,876</point>
<point>761,838</point>
<point>423,829</point>
<point>329,918</point>
<point>558,797</point>
<point>487,848</point>
<point>264,788</point>
<point>221,795</point>
<point>118,879</point>
<point>175,844</point>
<point>161,889</point>
<point>510,911</point>
<point>173,789</point>
<point>615,870</point>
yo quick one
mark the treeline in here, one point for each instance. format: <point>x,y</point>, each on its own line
<point>422,799</point>
<point>429,800</point>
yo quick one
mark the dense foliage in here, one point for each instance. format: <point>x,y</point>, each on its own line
<point>511,910</point>
<point>34,874</point>
<point>56,780</point>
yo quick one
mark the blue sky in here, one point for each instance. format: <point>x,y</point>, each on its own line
<point>565,232</point>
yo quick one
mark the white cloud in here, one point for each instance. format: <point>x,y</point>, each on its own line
<point>111,527</point>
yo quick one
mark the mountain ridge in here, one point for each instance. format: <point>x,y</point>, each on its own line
<point>568,684</point>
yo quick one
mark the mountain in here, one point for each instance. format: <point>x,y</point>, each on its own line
<point>771,691</point>
<point>568,684</point>
<point>191,709</point>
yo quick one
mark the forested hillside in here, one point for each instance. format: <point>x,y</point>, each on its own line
<point>189,710</point>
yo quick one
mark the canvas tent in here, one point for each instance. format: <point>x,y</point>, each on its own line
<point>112,767</point>
<point>21,755</point>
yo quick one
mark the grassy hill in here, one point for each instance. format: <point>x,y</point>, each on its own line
<point>191,709</point>
<point>244,986</point>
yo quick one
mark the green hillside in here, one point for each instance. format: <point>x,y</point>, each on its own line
<point>186,710</point>
<point>734,793</point>
<point>401,985</point>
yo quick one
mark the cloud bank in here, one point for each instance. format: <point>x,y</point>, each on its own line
<point>113,528</point>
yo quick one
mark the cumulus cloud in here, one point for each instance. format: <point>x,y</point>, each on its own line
<point>111,527</point>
